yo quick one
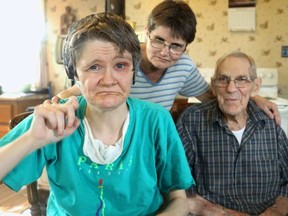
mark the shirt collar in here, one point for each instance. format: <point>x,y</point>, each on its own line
<point>255,115</point>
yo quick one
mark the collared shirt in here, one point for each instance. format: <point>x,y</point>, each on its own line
<point>246,177</point>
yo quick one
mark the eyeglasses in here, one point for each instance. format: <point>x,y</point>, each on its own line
<point>240,82</point>
<point>158,43</point>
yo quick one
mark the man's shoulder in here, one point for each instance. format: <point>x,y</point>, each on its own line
<point>202,106</point>
<point>198,110</point>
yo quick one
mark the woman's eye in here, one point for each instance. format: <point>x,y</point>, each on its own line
<point>95,67</point>
<point>120,66</point>
<point>159,41</point>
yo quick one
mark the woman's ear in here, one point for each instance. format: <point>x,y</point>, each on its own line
<point>77,82</point>
<point>146,31</point>
<point>256,87</point>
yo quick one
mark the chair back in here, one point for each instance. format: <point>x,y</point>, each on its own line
<point>37,208</point>
<point>18,118</point>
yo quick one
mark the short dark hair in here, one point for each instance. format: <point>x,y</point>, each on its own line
<point>178,16</point>
<point>104,26</point>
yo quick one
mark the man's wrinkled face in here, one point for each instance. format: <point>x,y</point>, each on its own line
<point>233,86</point>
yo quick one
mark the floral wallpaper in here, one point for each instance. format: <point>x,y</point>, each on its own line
<point>213,38</point>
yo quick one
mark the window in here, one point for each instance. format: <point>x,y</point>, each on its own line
<point>21,44</point>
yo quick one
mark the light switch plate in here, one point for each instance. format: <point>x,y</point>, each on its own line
<point>284,51</point>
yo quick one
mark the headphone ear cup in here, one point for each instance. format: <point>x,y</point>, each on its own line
<point>68,65</point>
<point>69,71</point>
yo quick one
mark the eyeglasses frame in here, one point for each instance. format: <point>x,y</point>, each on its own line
<point>235,81</point>
<point>168,45</point>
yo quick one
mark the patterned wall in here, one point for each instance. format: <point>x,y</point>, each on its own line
<point>213,38</point>
<point>54,10</point>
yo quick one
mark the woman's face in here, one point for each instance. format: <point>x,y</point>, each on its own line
<point>104,74</point>
<point>162,58</point>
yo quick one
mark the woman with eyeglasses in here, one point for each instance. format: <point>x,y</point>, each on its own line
<point>166,70</point>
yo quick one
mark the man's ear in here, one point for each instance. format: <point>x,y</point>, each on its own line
<point>256,87</point>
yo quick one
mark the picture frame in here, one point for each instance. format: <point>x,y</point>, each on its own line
<point>59,48</point>
<point>242,3</point>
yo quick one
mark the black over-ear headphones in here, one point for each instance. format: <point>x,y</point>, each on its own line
<point>68,64</point>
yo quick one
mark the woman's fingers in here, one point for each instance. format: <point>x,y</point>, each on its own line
<point>58,117</point>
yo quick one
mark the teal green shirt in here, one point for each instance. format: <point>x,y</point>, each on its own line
<point>153,162</point>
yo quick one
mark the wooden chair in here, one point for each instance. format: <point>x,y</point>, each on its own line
<point>178,107</point>
<point>36,198</point>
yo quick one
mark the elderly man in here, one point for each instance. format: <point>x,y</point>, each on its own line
<point>237,155</point>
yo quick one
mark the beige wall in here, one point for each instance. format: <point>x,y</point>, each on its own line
<point>213,38</point>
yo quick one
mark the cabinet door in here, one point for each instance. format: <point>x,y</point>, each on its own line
<point>3,130</point>
<point>5,113</point>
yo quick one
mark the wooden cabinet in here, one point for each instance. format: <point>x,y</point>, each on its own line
<point>13,105</point>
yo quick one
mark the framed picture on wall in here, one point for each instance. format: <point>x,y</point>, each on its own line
<point>59,48</point>
<point>66,20</point>
<point>242,3</point>
<point>116,7</point>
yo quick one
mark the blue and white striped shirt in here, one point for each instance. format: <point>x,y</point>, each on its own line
<point>183,78</point>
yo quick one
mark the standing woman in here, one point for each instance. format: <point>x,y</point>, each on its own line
<point>105,152</point>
